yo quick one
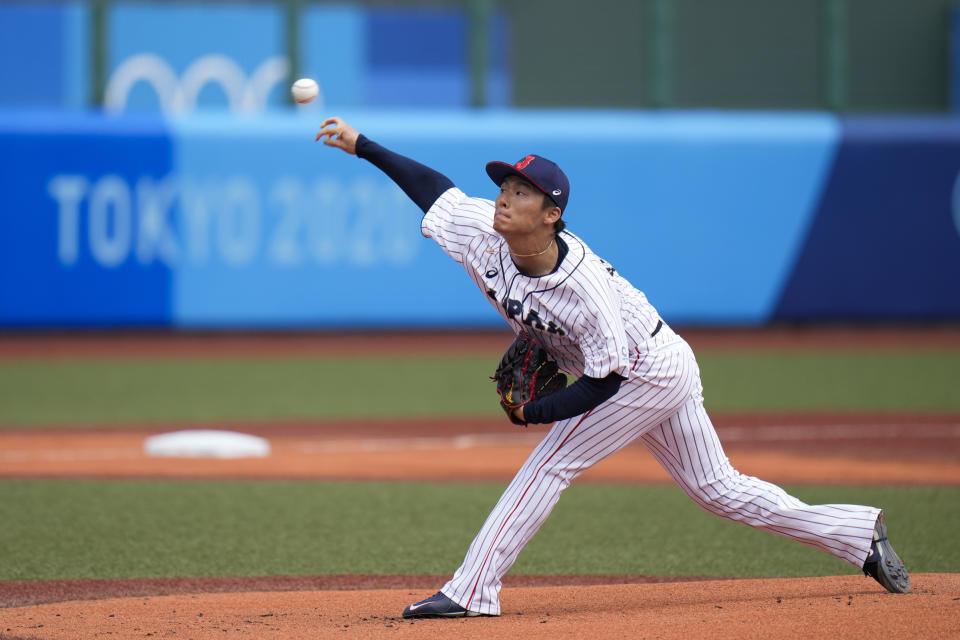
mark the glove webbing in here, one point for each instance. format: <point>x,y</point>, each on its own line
<point>508,401</point>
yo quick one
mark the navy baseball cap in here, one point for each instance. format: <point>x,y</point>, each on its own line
<point>538,171</point>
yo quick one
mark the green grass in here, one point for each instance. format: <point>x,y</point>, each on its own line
<point>857,381</point>
<point>123,391</point>
<point>197,390</point>
<point>56,529</point>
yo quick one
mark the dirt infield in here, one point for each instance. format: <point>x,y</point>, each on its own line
<point>788,449</point>
<point>783,448</point>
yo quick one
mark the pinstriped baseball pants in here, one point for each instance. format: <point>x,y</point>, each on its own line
<point>663,407</point>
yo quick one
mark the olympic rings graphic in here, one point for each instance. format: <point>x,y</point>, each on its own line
<point>179,94</point>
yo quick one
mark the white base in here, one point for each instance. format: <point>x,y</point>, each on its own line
<point>206,443</point>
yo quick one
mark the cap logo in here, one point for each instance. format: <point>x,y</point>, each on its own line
<point>523,163</point>
<point>557,192</point>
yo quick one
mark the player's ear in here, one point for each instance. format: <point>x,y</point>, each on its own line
<point>551,215</point>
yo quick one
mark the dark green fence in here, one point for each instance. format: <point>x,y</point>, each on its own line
<point>844,55</point>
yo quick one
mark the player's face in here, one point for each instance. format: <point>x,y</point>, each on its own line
<point>520,207</point>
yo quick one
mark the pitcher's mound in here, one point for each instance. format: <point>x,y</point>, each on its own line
<point>838,607</point>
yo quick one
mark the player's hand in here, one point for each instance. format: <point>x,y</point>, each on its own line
<point>339,134</point>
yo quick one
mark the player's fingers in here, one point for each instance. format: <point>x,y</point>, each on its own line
<point>336,131</point>
<point>335,141</point>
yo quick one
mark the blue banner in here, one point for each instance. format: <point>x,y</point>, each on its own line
<point>44,54</point>
<point>81,242</point>
<point>885,241</point>
<point>208,221</point>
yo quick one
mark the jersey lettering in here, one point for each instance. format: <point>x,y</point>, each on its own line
<point>608,267</point>
<point>514,309</point>
<point>533,320</point>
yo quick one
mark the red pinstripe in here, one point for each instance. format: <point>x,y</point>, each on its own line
<point>517,506</point>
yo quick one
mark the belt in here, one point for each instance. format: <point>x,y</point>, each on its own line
<point>657,329</point>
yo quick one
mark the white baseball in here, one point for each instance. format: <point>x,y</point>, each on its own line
<point>304,90</point>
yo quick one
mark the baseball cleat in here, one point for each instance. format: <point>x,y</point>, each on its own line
<point>883,564</point>
<point>437,606</point>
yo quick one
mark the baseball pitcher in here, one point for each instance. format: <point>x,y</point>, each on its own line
<point>636,378</point>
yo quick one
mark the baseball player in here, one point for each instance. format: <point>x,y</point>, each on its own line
<point>637,379</point>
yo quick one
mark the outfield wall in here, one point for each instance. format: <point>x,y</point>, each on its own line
<point>214,221</point>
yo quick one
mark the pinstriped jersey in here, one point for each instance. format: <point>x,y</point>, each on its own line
<point>588,317</point>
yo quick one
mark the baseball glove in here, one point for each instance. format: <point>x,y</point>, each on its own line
<point>526,373</point>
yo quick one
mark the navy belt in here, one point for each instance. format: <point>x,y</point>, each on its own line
<point>657,329</point>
